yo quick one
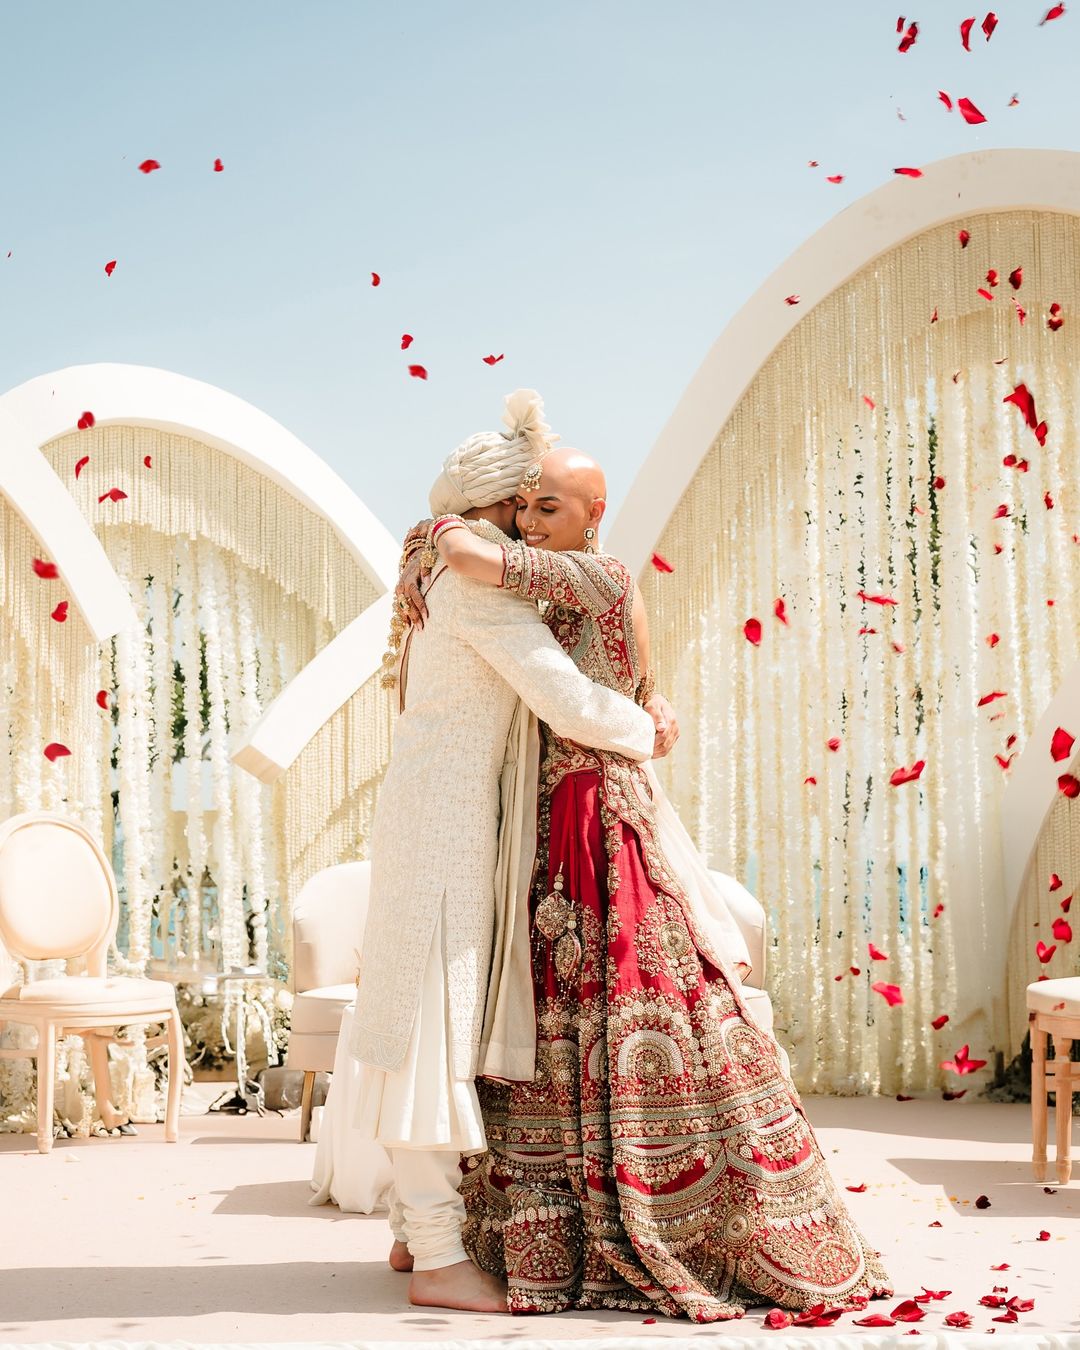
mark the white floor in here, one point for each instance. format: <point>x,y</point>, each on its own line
<point>212,1240</point>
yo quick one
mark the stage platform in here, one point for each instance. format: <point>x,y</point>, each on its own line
<point>212,1240</point>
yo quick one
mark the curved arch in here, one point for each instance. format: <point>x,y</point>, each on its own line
<point>985,181</point>
<point>49,405</point>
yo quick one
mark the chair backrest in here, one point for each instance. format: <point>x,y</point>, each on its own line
<point>328,926</point>
<point>58,895</point>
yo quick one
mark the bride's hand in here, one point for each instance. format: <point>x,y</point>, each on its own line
<point>408,590</point>
<point>666,723</point>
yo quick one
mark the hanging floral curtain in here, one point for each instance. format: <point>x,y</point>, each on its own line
<point>876,591</point>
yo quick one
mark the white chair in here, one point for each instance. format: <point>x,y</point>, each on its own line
<point>328,929</point>
<point>58,900</point>
<point>1054,1011</point>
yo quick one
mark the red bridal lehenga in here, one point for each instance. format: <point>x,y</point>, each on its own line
<point>661,1159</point>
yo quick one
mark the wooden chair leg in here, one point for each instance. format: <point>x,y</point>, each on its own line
<point>99,1059</point>
<point>46,1075</point>
<point>1038,1101</point>
<point>175,1031</point>
<point>1063,1106</point>
<point>305,1103</point>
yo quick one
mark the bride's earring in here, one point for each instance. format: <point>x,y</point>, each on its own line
<point>590,535</point>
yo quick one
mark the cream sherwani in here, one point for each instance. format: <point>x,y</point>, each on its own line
<point>435,848</point>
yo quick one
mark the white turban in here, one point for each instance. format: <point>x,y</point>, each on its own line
<point>488,467</point>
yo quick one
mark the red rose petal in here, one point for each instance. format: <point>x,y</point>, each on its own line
<point>833,742</point>
<point>752,631</point>
<point>908,172</point>
<point>113,494</point>
<point>406,341</point>
<point>933,317</point>
<point>992,639</point>
<point>908,40</point>
<point>1021,312</point>
<point>1004,763</point>
<point>60,612</point>
<point>876,599</point>
<point>875,953</point>
<point>1004,1266</point>
<point>1061,929</point>
<point>418,372</point>
<point>1009,1316</point>
<point>857,1190</point>
<point>969,112</point>
<point>902,775</point>
<point>958,1319</point>
<point>110,268</point>
<point>1055,882</point>
<point>46,570</point>
<point>964,237</point>
<point>1048,501</point>
<point>869,402</point>
<point>149,165</point>
<point>661,563</point>
<point>492,360</point>
<point>1043,952</point>
<point>992,277</point>
<point>982,1202</point>
<point>1023,399</point>
<point>874,1320</point>
<point>945,99</point>
<point>776,1319</point>
<point>86,420</point>
<point>1016,278</point>
<point>986,295</point>
<point>103,698</point>
<point>889,992</point>
<point>81,464</point>
<point>1061,744</point>
<point>939,1022</point>
<point>854,970</point>
<point>1063,905</point>
<point>54,750</point>
<point>146,462</point>
<point>936,1224</point>
<point>939,908</point>
<point>997,693</point>
<point>908,1311</point>
<point>961,1063</point>
<point>780,610</point>
<point>834,178</point>
<point>791,299</point>
<point>218,166</point>
<point>376,280</point>
<point>1055,12</point>
<point>1044,1236</point>
<point>989,24</point>
<point>813,783</point>
<point>1069,785</point>
<point>965,33</point>
<point>1040,434</point>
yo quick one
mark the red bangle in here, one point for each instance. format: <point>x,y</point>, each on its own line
<point>442,523</point>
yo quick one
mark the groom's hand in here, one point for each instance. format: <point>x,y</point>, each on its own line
<point>666,724</point>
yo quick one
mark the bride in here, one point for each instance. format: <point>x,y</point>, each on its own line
<point>660,1159</point>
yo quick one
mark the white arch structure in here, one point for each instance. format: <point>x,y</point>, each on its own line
<point>987,180</point>
<point>34,413</point>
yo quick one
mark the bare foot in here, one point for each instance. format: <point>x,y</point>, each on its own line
<point>461,1286</point>
<point>400,1257</point>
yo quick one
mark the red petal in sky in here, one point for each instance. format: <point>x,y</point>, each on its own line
<point>945,99</point>
<point>1023,399</point>
<point>889,992</point>
<point>149,165</point>
<point>752,631</point>
<point>493,360</point>
<point>113,494</point>
<point>81,464</point>
<point>418,372</point>
<point>46,570</point>
<point>103,698</point>
<point>791,299</point>
<point>834,178</point>
<point>965,33</point>
<point>964,236</point>
<point>901,776</point>
<point>406,341</point>
<point>900,24</point>
<point>661,563</point>
<point>908,172</point>
<point>1061,745</point>
<point>908,40</point>
<point>1014,102</point>
<point>110,268</point>
<point>1053,13</point>
<point>969,112</point>
<point>1016,278</point>
<point>939,1022</point>
<point>218,166</point>
<point>989,24</point>
<point>60,612</point>
<point>375,279</point>
<point>876,954</point>
<point>54,750</point>
<point>85,421</point>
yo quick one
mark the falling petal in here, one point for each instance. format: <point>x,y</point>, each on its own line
<point>876,599</point>
<point>961,1063</point>
<point>991,697</point>
<point>493,360</point>
<point>813,783</point>
<point>46,570</point>
<point>1053,13</point>
<point>1014,102</point>
<point>81,464</point>
<point>908,40</point>
<point>218,166</point>
<point>1004,763</point>
<point>989,24</point>
<point>1069,785</point>
<point>1043,952</point>
<point>146,462</point>
<point>945,99</point>
<point>1021,312</point>
<point>992,277</point>
<point>149,165</point>
<point>964,237</point>
<point>876,954</point>
<point>406,341</point>
<point>375,279</point>
<point>1055,320</point>
<point>418,372</point>
<point>938,910</point>
<point>992,639</point>
<point>933,317</point>
<point>60,612</point>
<point>1040,436</point>
<point>1062,930</point>
<point>791,299</point>
<point>1061,745</point>
<point>1023,399</point>
<point>780,610</point>
<point>1016,278</point>
<point>889,992</point>
<point>986,295</point>
<point>909,172</point>
<point>113,494</point>
<point>54,750</point>
<point>965,33</point>
<point>969,112</point>
<point>833,743</point>
<point>85,421</point>
<point>902,775</point>
<point>110,268</point>
<point>1055,882</point>
<point>869,402</point>
<point>752,631</point>
<point>939,1022</point>
<point>661,563</point>
<point>939,483</point>
<point>103,698</point>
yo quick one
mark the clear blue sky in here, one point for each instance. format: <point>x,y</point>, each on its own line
<point>592,188</point>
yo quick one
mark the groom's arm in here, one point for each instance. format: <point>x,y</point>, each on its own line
<point>510,635</point>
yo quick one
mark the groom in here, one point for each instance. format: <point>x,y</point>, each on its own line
<point>419,1028</point>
